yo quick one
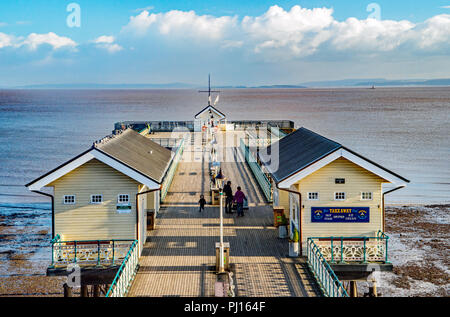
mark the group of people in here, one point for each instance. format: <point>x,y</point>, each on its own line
<point>237,198</point>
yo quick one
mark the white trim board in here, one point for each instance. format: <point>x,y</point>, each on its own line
<point>288,182</point>
<point>63,170</point>
<point>212,109</point>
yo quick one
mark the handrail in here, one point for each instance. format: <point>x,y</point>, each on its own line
<point>378,253</point>
<point>325,276</point>
<point>81,252</point>
<point>171,171</point>
<point>262,179</point>
<point>119,286</point>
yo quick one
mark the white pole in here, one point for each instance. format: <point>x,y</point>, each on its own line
<point>222,264</point>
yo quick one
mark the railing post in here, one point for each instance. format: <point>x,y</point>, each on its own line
<point>98,252</point>
<point>113,252</point>
<point>364,250</point>
<point>75,252</point>
<point>342,250</point>
<point>53,255</point>
<point>386,239</point>
<point>332,253</point>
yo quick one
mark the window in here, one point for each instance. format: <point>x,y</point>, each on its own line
<point>366,196</point>
<point>123,198</point>
<point>96,199</point>
<point>313,196</point>
<point>69,200</point>
<point>339,180</point>
<point>339,196</point>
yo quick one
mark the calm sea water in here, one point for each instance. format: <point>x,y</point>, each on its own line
<point>404,129</point>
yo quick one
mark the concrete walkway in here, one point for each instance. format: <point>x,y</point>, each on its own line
<point>178,258</point>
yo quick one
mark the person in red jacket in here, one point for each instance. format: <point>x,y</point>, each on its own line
<point>239,200</point>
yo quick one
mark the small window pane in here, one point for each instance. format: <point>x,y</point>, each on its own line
<point>339,180</point>
<point>123,198</point>
<point>339,196</point>
<point>69,199</point>
<point>313,196</point>
<point>366,196</point>
<point>96,199</point>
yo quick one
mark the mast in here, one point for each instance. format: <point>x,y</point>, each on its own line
<point>209,91</point>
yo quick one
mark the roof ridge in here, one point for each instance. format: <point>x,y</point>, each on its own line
<point>109,137</point>
<point>320,136</point>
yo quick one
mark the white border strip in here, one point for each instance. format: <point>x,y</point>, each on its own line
<point>87,157</point>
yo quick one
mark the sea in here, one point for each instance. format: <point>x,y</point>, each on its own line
<point>404,129</point>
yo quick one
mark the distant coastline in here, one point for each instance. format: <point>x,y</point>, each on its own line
<point>345,83</point>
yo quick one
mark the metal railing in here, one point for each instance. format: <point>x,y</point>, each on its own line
<point>168,142</point>
<point>261,178</point>
<point>126,273</point>
<point>354,249</point>
<point>89,252</point>
<point>325,276</point>
<point>172,169</point>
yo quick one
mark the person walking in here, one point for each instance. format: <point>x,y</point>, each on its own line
<point>202,203</point>
<point>228,197</point>
<point>239,199</point>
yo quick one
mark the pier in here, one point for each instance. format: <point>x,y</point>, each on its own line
<point>178,258</point>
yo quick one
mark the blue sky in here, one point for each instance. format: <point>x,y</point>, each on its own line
<point>241,42</point>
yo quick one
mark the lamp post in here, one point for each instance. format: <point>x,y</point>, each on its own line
<point>222,262</point>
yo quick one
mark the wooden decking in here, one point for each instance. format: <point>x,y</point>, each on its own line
<point>179,256</point>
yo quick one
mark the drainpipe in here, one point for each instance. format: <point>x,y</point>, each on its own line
<point>53,209</point>
<point>299,216</point>
<point>384,209</point>
<point>137,208</point>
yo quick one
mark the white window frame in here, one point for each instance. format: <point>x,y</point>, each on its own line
<point>96,203</point>
<point>309,198</point>
<point>342,199</point>
<point>123,202</point>
<point>69,203</point>
<point>362,195</point>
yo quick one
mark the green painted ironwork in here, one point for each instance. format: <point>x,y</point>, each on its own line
<point>66,252</point>
<point>172,169</point>
<point>126,273</point>
<point>381,242</point>
<point>261,178</point>
<point>331,286</point>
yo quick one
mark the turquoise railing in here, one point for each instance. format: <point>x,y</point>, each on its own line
<point>325,276</point>
<point>261,178</point>
<point>88,252</point>
<point>126,273</point>
<point>361,249</point>
<point>171,171</point>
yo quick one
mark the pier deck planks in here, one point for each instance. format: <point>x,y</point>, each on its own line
<point>179,256</point>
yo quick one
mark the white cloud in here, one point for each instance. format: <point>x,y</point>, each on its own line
<point>434,32</point>
<point>298,31</point>
<point>370,35</point>
<point>181,23</point>
<point>34,40</point>
<point>107,42</point>
<point>6,40</point>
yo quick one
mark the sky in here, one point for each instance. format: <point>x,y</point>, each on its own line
<point>256,42</point>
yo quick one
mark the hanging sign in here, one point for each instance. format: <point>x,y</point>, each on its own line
<point>340,214</point>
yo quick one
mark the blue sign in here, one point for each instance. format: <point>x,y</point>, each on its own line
<point>340,214</point>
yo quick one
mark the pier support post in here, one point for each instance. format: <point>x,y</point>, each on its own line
<point>67,290</point>
<point>96,290</point>
<point>84,291</point>
<point>353,289</point>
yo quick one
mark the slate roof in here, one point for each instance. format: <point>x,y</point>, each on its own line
<point>139,153</point>
<point>302,148</point>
